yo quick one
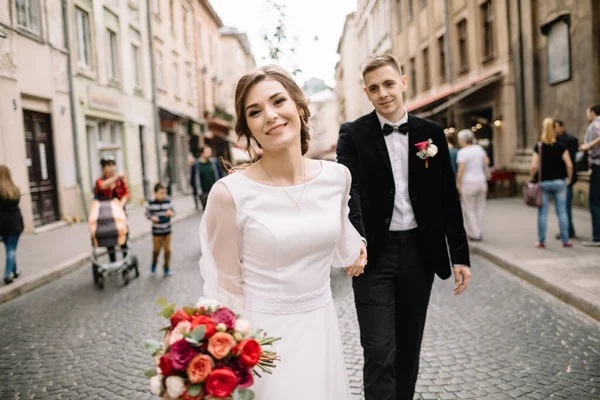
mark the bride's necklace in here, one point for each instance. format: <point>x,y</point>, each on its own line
<point>297,203</point>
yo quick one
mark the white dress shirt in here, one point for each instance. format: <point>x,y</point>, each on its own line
<point>403,217</point>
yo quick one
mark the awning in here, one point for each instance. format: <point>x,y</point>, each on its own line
<point>171,114</point>
<point>443,100</point>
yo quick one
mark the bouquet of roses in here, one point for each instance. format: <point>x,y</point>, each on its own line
<point>207,353</point>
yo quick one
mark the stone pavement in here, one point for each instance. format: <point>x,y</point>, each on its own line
<point>44,257</point>
<point>572,274</point>
<point>502,339</point>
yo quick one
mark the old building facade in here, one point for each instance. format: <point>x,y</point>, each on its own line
<point>348,82</point>
<point>36,140</point>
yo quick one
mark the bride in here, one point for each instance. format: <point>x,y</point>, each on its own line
<point>270,234</point>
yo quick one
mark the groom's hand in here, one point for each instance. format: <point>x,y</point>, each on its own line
<point>462,275</point>
<point>358,267</point>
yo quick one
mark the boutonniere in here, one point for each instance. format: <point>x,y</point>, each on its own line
<point>426,150</point>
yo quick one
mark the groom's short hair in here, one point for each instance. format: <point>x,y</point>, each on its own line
<point>380,60</point>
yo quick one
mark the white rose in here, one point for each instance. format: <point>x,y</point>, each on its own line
<point>243,326</point>
<point>175,387</point>
<point>221,327</point>
<point>208,303</point>
<point>156,385</point>
<point>432,150</point>
<point>180,329</point>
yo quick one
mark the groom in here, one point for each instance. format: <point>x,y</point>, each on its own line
<point>406,207</point>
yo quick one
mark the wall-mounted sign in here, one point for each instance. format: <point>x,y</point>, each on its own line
<point>559,49</point>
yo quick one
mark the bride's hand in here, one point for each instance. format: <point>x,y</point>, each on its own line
<point>358,267</point>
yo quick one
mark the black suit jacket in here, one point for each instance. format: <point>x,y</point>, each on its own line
<point>433,195</point>
<point>572,144</point>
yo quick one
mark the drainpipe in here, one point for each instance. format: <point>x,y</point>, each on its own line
<point>521,90</point>
<point>448,57</point>
<point>153,81</point>
<point>65,17</point>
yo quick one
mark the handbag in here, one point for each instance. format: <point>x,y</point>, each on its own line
<point>532,192</point>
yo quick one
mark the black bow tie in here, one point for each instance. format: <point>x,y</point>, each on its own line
<point>387,129</point>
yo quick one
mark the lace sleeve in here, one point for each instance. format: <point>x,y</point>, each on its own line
<point>348,247</point>
<point>220,243</point>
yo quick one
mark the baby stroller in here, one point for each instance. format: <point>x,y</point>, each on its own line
<point>108,227</point>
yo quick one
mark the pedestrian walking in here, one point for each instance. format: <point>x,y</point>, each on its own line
<point>556,174</point>
<point>11,222</point>
<point>471,182</point>
<point>112,186</point>
<point>206,171</point>
<point>571,143</point>
<point>453,153</point>
<point>160,211</point>
<point>592,145</point>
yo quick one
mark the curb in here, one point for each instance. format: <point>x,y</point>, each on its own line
<point>573,299</point>
<point>32,282</point>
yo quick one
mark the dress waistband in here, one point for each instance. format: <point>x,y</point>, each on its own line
<point>288,304</point>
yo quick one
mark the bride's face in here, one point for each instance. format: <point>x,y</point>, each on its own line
<point>272,116</point>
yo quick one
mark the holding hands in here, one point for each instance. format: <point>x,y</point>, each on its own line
<point>358,267</point>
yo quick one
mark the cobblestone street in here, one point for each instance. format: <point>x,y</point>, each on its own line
<point>502,339</point>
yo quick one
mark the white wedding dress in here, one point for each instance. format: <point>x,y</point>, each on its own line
<point>271,262</point>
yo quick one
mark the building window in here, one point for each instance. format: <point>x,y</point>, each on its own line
<point>210,51</point>
<point>190,88</point>
<point>137,72</point>
<point>172,15</point>
<point>487,16</point>
<point>113,55</point>
<point>399,14</point>
<point>426,75</point>
<point>411,9</point>
<point>82,22</point>
<point>156,7</point>
<point>442,58</point>
<point>463,64</point>
<point>28,14</point>
<point>176,81</point>
<point>413,77</point>
<point>104,140</point>
<point>200,44</point>
<point>160,73</point>
<point>184,27</point>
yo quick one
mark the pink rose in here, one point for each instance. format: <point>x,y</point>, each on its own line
<point>422,145</point>
<point>181,354</point>
<point>220,345</point>
<point>180,329</point>
<point>224,316</point>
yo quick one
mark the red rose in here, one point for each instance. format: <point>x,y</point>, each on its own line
<point>221,382</point>
<point>179,316</point>
<point>248,352</point>
<point>165,365</point>
<point>198,320</point>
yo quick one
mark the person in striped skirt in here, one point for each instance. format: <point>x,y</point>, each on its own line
<point>160,211</point>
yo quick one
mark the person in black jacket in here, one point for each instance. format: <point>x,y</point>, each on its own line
<point>405,204</point>
<point>11,222</point>
<point>571,143</point>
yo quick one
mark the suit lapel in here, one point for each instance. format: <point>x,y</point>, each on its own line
<point>414,136</point>
<point>374,129</point>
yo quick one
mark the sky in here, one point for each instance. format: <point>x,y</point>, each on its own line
<point>304,20</point>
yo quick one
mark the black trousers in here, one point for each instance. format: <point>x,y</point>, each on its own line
<point>391,302</point>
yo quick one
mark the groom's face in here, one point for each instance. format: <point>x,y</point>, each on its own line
<point>384,87</point>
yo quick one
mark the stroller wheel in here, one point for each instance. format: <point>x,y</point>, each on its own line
<point>125,274</point>
<point>134,266</point>
<point>100,282</point>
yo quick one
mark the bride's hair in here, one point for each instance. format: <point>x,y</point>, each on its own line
<point>275,73</point>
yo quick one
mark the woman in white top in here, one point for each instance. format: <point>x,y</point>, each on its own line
<point>471,181</point>
<point>271,234</point>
